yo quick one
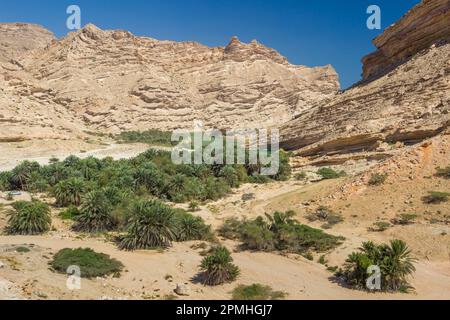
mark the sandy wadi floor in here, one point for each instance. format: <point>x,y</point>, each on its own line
<point>154,275</point>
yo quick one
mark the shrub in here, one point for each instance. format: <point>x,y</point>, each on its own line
<point>394,260</point>
<point>23,249</point>
<point>435,197</point>
<point>256,292</point>
<point>91,263</point>
<point>443,172</point>
<point>300,176</point>
<point>380,226</point>
<point>378,179</point>
<point>152,225</point>
<point>328,173</point>
<point>193,206</point>
<point>230,229</point>
<point>70,213</point>
<point>151,137</point>
<point>218,268</point>
<point>325,214</point>
<point>29,218</point>
<point>95,214</point>
<point>191,228</point>
<point>5,177</point>
<point>404,219</point>
<point>258,179</point>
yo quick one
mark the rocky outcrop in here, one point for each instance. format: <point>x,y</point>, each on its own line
<point>18,38</point>
<point>112,81</point>
<point>424,25</point>
<point>408,104</point>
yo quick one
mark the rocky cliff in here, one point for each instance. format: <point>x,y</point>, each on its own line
<point>406,105</point>
<point>112,81</point>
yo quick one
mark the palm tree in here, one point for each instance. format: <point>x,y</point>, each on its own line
<point>29,218</point>
<point>218,268</point>
<point>69,192</point>
<point>21,174</point>
<point>191,228</point>
<point>95,214</point>
<point>397,264</point>
<point>152,225</point>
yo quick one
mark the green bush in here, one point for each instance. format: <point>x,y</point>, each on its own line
<point>91,263</point>
<point>435,197</point>
<point>256,292</point>
<point>378,179</point>
<point>151,137</point>
<point>152,225</point>
<point>217,268</point>
<point>29,218</point>
<point>230,229</point>
<point>69,213</point>
<point>443,172</point>
<point>193,206</point>
<point>394,261</point>
<point>95,214</point>
<point>328,173</point>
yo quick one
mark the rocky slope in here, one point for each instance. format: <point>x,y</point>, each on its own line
<point>406,105</point>
<point>112,81</point>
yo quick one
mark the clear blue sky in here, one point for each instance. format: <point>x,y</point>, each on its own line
<point>307,32</point>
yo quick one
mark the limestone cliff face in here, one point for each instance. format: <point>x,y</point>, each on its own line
<point>424,25</point>
<point>113,81</point>
<point>18,38</point>
<point>407,104</point>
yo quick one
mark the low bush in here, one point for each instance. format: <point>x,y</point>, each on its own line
<point>256,292</point>
<point>404,219</point>
<point>328,173</point>
<point>326,215</point>
<point>69,213</point>
<point>443,172</point>
<point>378,179</point>
<point>435,197</point>
<point>217,268</point>
<point>191,228</point>
<point>380,226</point>
<point>151,137</point>
<point>300,176</point>
<point>29,218</point>
<point>91,263</point>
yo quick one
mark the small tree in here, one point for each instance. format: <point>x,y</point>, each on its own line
<point>29,218</point>
<point>218,268</point>
<point>69,192</point>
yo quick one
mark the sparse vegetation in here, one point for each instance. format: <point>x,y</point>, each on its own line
<point>217,268</point>
<point>435,197</point>
<point>404,219</point>
<point>328,173</point>
<point>326,215</point>
<point>91,263</point>
<point>193,206</point>
<point>394,260</point>
<point>300,176</point>
<point>151,137</point>
<point>278,232</point>
<point>69,213</point>
<point>443,172</point>
<point>256,292</point>
<point>380,226</point>
<point>378,179</point>
<point>29,218</point>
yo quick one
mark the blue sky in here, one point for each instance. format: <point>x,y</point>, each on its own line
<point>307,32</point>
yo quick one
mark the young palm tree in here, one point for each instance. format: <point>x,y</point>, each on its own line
<point>218,268</point>
<point>29,218</point>
<point>95,214</point>
<point>69,192</point>
<point>397,265</point>
<point>190,227</point>
<point>152,225</point>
